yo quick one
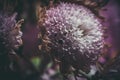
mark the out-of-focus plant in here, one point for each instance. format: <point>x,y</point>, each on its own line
<point>10,41</point>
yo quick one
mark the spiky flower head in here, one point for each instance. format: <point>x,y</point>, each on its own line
<point>74,30</point>
<point>9,34</point>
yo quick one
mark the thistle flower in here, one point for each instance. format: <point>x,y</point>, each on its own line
<point>10,34</point>
<point>75,33</point>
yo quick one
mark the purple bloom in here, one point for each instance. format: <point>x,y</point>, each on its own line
<point>74,31</point>
<point>8,33</point>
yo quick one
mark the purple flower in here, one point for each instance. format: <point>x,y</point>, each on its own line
<point>9,33</point>
<point>74,31</point>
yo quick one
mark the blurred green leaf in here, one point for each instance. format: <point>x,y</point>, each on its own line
<point>36,61</point>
